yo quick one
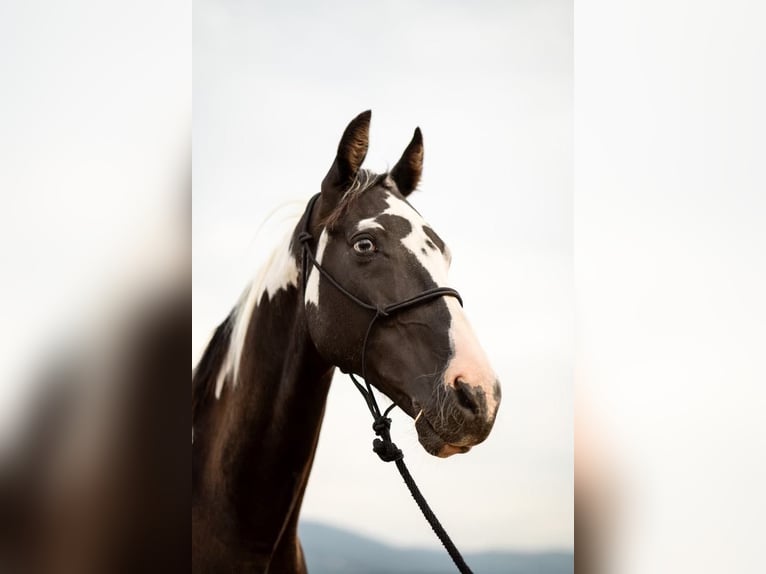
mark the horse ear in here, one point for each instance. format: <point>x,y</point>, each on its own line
<point>352,150</point>
<point>406,172</point>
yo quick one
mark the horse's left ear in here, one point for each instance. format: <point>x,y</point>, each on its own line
<point>406,172</point>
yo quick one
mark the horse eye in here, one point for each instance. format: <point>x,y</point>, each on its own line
<point>364,246</point>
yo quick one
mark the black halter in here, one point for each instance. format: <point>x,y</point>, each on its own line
<point>384,447</point>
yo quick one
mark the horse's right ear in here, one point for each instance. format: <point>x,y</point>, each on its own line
<point>352,150</point>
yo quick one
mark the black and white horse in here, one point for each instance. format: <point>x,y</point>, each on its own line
<point>259,391</point>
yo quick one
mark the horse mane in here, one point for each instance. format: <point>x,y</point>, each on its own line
<point>205,375</point>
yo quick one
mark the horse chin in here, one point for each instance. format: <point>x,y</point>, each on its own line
<point>433,443</point>
<point>450,449</point>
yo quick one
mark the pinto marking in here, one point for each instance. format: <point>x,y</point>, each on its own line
<point>312,284</point>
<point>280,272</point>
<point>433,261</point>
<point>368,223</point>
<point>469,361</point>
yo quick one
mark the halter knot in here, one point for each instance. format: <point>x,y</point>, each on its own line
<point>304,236</point>
<point>381,425</point>
<point>387,450</point>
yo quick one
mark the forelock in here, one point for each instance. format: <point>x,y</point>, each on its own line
<point>364,181</point>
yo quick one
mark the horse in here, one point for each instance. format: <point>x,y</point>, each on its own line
<point>260,388</point>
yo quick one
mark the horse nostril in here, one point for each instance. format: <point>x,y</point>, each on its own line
<point>465,397</point>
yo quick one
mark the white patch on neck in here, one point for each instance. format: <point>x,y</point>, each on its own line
<point>312,284</point>
<point>279,272</point>
<point>469,362</point>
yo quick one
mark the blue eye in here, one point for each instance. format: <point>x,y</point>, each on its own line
<point>364,246</point>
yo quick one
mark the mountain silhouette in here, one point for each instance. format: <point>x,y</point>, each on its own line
<point>331,550</point>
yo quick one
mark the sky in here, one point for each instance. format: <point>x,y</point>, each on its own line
<point>490,85</point>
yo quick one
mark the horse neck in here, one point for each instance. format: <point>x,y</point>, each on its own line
<point>258,444</point>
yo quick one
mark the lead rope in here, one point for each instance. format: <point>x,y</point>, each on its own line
<point>384,446</point>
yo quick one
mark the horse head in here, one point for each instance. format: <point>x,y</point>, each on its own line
<point>374,245</point>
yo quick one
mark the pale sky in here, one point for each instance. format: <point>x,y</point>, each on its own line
<point>490,85</point>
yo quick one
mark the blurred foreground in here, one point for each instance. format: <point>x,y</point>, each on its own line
<point>98,478</point>
<point>95,291</point>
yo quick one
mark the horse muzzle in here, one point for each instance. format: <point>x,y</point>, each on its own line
<point>459,417</point>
